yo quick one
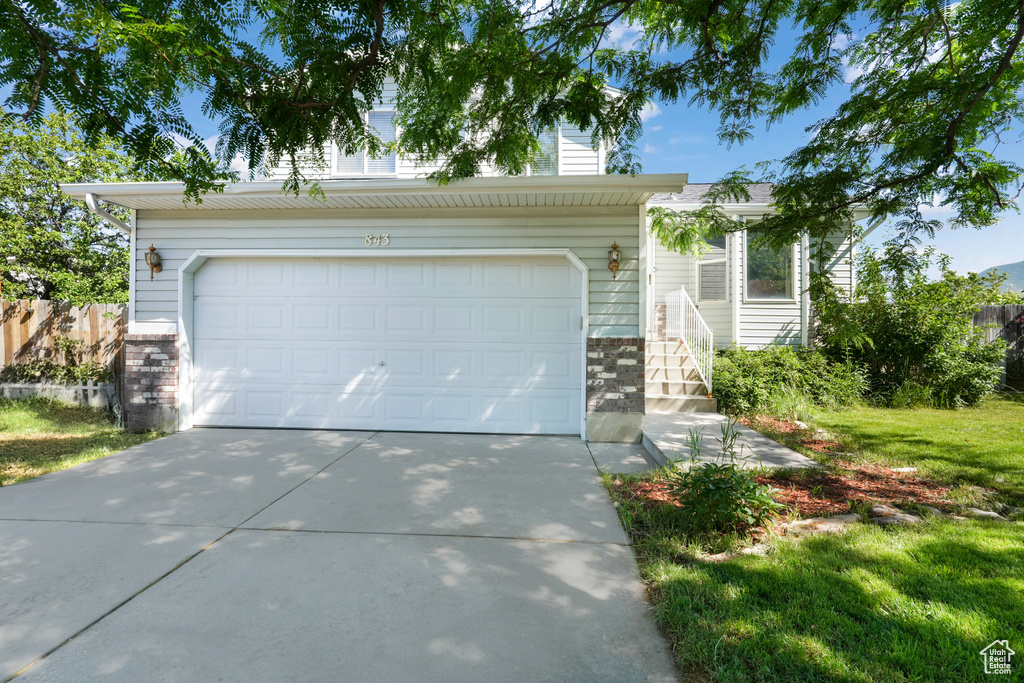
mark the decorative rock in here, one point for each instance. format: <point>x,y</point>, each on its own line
<point>985,514</point>
<point>904,469</point>
<point>899,519</point>
<point>759,549</point>
<point>821,525</point>
<point>800,425</point>
<point>884,511</point>
<point>929,510</point>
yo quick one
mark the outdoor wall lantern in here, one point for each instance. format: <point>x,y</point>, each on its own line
<point>153,261</point>
<point>613,259</point>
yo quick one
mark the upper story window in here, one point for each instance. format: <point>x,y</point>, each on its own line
<point>770,272</point>
<point>361,163</point>
<point>546,161</point>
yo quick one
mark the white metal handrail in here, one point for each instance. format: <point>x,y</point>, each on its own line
<point>684,322</point>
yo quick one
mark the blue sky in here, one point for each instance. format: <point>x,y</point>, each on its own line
<point>682,139</point>
<point>678,139</point>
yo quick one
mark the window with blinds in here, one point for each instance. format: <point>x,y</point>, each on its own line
<point>713,273</point>
<point>546,160</point>
<point>360,163</point>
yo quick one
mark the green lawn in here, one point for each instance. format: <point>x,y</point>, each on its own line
<point>982,446</point>
<point>874,605</point>
<point>39,436</point>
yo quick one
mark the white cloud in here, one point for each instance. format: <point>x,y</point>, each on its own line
<point>687,139</point>
<point>651,149</point>
<point>239,163</point>
<point>853,72</point>
<point>655,129</point>
<point>649,111</point>
<point>623,36</point>
<point>841,42</point>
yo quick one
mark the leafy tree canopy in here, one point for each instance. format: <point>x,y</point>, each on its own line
<point>52,246</point>
<point>479,79</point>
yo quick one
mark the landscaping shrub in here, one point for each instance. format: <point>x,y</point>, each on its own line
<point>913,335</point>
<point>46,370</point>
<point>720,496</point>
<point>751,381</point>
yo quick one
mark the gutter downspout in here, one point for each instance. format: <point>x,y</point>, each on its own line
<point>92,201</point>
<point>805,295</point>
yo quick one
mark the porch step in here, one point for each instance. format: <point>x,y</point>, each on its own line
<point>673,360</point>
<point>661,403</point>
<point>667,348</point>
<point>677,388</point>
<point>684,374</point>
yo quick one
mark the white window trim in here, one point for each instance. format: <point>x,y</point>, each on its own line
<point>744,272</point>
<point>723,259</point>
<point>336,153</point>
<point>558,154</point>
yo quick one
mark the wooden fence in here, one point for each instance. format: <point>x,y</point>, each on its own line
<point>29,328</point>
<point>1006,323</point>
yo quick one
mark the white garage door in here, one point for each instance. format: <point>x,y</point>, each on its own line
<point>473,345</point>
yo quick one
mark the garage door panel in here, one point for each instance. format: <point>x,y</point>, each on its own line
<point>505,365</point>
<point>538,412</point>
<point>294,318</point>
<point>320,278</point>
<point>450,345</point>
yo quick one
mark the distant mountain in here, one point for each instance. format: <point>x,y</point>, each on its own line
<point>1015,276</point>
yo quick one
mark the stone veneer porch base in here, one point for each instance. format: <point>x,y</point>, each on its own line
<point>615,388</point>
<point>151,382</point>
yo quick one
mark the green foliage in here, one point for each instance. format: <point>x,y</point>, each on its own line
<point>478,82</point>
<point>45,370</point>
<point>62,250</point>
<point>720,495</point>
<point>687,231</point>
<point>914,335</point>
<point>753,381</point>
<point>71,371</point>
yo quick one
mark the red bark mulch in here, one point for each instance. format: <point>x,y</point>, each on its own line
<point>816,493</point>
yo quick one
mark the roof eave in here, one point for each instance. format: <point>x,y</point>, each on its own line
<point>646,184</point>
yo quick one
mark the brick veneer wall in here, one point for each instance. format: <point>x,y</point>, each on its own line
<point>615,374</point>
<point>151,382</point>
<point>660,316</point>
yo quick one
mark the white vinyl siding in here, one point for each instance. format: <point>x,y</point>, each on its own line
<point>761,322</point>
<point>572,150</point>
<point>578,155</point>
<point>587,231</point>
<point>676,271</point>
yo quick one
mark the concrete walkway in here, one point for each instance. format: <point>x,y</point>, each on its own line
<point>666,437</point>
<point>262,555</point>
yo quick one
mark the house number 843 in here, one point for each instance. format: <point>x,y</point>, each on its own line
<point>377,240</point>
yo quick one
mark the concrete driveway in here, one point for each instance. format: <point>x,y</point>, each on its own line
<point>250,555</point>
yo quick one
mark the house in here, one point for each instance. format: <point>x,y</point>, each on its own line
<point>486,305</point>
<point>493,304</point>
